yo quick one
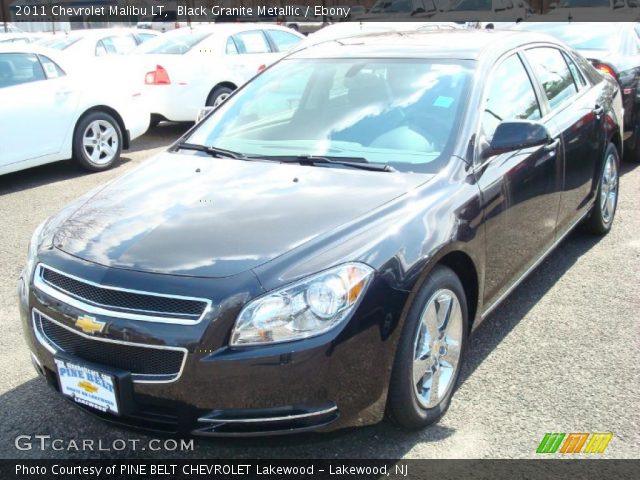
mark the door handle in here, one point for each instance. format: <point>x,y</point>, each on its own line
<point>551,147</point>
<point>64,92</point>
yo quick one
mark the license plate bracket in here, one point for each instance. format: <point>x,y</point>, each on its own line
<point>101,388</point>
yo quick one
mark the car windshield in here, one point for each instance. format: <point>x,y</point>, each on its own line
<point>176,43</point>
<point>399,112</point>
<point>59,43</point>
<point>594,36</point>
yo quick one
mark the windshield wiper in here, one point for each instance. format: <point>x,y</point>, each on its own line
<point>353,162</point>
<point>213,151</point>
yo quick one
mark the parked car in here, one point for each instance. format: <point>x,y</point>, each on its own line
<point>22,37</point>
<point>51,112</point>
<point>83,44</point>
<point>340,30</point>
<point>314,260</point>
<point>399,10</point>
<point>190,68</point>
<point>164,22</point>
<point>614,49</point>
<point>594,10</point>
<point>304,24</point>
<point>356,10</point>
<point>491,12</point>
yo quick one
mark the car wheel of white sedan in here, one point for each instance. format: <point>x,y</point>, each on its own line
<point>218,95</point>
<point>97,141</point>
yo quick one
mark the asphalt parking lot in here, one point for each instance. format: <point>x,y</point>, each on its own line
<point>560,355</point>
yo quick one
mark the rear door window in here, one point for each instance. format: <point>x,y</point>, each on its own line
<point>51,69</point>
<point>123,44</point>
<point>284,41</point>
<point>253,41</point>
<point>553,72</point>
<point>19,68</point>
<point>576,73</point>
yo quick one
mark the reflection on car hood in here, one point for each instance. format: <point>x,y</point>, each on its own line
<point>186,214</point>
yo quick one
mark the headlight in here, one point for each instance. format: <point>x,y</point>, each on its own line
<point>33,252</point>
<point>304,309</point>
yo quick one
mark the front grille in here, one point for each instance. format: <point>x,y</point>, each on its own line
<point>123,301</point>
<point>144,362</point>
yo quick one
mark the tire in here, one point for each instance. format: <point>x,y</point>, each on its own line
<point>218,95</point>
<point>604,209</point>
<point>406,406</point>
<point>97,141</point>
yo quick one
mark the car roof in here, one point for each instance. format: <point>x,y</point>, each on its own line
<point>453,44</point>
<point>100,32</point>
<point>595,26</point>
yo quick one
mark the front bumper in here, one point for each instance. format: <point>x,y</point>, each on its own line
<point>335,380</point>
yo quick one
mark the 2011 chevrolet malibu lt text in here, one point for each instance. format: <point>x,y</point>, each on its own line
<point>316,251</point>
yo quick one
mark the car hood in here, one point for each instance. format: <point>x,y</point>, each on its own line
<point>185,214</point>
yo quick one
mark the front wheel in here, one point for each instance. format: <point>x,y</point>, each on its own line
<point>97,141</point>
<point>604,208</point>
<point>429,355</point>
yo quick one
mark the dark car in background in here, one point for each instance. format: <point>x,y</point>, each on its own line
<point>614,49</point>
<point>317,250</point>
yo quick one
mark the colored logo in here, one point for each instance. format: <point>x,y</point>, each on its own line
<point>88,386</point>
<point>89,324</point>
<point>574,442</point>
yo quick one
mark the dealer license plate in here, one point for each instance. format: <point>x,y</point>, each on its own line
<point>88,386</point>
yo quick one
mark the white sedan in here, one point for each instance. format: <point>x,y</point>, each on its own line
<point>343,30</point>
<point>51,112</point>
<point>189,68</point>
<point>87,44</point>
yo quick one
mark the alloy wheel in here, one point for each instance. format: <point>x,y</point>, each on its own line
<point>437,348</point>
<point>100,142</point>
<point>220,98</point>
<point>609,189</point>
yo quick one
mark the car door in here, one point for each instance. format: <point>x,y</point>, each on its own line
<point>573,107</point>
<point>254,52</point>
<point>38,105</point>
<point>520,190</point>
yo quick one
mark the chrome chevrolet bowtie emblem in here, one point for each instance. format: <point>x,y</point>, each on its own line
<point>89,324</point>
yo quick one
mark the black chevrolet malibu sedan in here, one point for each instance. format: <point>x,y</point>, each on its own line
<point>317,250</point>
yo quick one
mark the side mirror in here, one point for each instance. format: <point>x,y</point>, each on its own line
<point>203,112</point>
<point>517,135</point>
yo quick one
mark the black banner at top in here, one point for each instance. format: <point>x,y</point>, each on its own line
<point>131,12</point>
